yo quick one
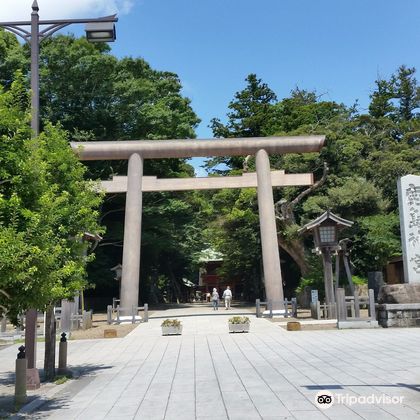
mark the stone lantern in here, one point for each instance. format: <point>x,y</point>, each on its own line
<point>118,275</point>
<point>325,231</point>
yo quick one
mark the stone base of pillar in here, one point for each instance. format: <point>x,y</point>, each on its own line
<point>32,379</point>
<point>277,313</point>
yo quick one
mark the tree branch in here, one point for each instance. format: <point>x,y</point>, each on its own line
<point>118,243</point>
<point>284,209</point>
<point>5,293</point>
<point>111,211</point>
<point>245,164</point>
<point>313,187</point>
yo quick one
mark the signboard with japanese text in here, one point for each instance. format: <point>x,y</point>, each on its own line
<point>409,206</point>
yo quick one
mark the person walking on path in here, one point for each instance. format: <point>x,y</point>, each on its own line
<point>227,296</point>
<point>215,299</point>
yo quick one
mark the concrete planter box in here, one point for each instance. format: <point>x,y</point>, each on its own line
<point>172,330</point>
<point>234,328</point>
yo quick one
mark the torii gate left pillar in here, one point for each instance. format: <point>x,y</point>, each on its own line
<point>132,234</point>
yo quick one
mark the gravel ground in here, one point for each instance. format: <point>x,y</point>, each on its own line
<point>99,324</point>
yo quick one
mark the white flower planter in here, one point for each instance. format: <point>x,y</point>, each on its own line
<point>172,330</point>
<point>238,327</point>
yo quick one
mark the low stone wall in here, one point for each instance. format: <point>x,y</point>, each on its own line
<point>399,315</point>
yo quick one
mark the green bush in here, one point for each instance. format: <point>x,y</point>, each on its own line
<point>314,279</point>
<point>171,323</point>
<point>239,320</point>
<point>359,280</point>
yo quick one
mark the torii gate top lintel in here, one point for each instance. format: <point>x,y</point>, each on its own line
<point>158,149</point>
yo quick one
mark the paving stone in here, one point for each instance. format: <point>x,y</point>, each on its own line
<point>306,415</point>
<point>123,411</point>
<point>268,373</point>
<point>182,396</point>
<point>204,409</point>
<point>378,415</point>
<point>180,409</point>
<point>273,409</point>
<point>298,404</point>
<point>128,401</point>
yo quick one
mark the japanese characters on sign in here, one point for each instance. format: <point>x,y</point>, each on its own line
<point>409,206</point>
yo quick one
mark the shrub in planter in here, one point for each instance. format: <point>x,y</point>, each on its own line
<point>239,324</point>
<point>171,327</point>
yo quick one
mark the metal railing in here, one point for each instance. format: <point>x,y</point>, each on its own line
<point>119,314</point>
<point>323,310</point>
<point>348,307</point>
<point>115,303</point>
<point>290,308</point>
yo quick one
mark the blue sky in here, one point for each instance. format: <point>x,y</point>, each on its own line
<point>338,47</point>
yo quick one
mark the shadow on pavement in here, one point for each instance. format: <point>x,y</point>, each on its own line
<point>83,376</point>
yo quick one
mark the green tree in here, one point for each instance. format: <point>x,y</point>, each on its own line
<point>407,92</point>
<point>96,96</point>
<point>376,239</point>
<point>398,97</point>
<point>380,100</point>
<point>249,111</point>
<point>12,58</point>
<point>45,208</point>
<point>365,154</point>
<point>250,115</point>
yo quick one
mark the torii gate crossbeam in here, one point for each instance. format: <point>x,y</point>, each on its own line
<point>118,184</point>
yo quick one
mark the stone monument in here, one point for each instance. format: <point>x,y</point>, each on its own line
<point>400,303</point>
<point>409,206</point>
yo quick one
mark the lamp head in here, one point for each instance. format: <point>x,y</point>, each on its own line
<point>100,32</point>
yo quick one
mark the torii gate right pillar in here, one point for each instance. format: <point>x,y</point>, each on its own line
<point>270,248</point>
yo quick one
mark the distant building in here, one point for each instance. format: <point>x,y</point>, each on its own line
<point>394,271</point>
<point>208,277</point>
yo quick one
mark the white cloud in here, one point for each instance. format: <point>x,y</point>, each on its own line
<point>59,9</point>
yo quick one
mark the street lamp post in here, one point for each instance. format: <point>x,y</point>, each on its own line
<point>34,32</point>
<point>97,30</point>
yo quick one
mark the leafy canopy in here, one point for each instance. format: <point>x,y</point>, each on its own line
<point>45,207</point>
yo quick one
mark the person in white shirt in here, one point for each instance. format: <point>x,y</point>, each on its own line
<point>227,296</point>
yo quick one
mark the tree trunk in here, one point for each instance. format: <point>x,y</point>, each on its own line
<point>286,219</point>
<point>296,250</point>
<point>175,288</point>
<point>49,358</point>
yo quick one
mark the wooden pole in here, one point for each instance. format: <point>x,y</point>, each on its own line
<point>328,276</point>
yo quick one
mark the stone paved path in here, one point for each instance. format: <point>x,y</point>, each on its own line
<point>267,374</point>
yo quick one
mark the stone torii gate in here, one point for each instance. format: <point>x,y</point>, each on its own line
<point>135,151</point>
